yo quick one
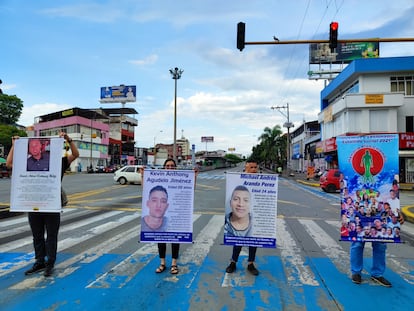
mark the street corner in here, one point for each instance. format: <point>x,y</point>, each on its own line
<point>408,212</point>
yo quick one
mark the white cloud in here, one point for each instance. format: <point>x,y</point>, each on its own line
<point>29,113</point>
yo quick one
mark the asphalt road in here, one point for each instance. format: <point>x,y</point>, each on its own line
<point>102,265</point>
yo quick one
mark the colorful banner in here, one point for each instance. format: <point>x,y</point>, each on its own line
<point>167,206</point>
<point>36,178</point>
<point>251,210</point>
<point>370,205</point>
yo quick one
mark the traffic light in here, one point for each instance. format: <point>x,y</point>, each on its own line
<point>241,29</point>
<point>333,35</point>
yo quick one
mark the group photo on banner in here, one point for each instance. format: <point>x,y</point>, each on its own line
<point>370,205</point>
<point>36,178</point>
<point>167,206</point>
<point>251,210</point>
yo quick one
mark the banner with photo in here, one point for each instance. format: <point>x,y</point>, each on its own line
<point>370,205</point>
<point>251,209</point>
<point>167,206</point>
<point>36,177</point>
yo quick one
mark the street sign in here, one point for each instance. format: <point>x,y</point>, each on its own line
<point>118,94</point>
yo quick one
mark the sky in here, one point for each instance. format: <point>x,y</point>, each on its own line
<point>57,54</point>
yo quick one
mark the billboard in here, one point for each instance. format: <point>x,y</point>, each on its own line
<point>207,139</point>
<point>320,53</point>
<point>118,94</point>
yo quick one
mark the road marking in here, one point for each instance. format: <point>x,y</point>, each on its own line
<point>297,272</point>
<point>329,246</point>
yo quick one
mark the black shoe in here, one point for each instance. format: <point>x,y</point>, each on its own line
<point>252,269</point>
<point>231,267</point>
<point>48,271</point>
<point>381,280</point>
<point>356,278</point>
<point>37,267</point>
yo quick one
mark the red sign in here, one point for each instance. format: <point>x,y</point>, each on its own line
<point>406,140</point>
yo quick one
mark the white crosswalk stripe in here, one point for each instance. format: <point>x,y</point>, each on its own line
<point>115,229</point>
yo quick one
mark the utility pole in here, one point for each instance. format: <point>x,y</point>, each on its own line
<point>288,125</point>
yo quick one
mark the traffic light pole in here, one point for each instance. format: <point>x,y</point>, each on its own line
<point>327,41</point>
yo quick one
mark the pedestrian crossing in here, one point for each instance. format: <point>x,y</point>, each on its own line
<point>209,176</point>
<point>98,251</point>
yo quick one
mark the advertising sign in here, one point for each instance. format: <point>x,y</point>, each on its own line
<point>207,139</point>
<point>370,205</point>
<point>320,53</point>
<point>118,94</point>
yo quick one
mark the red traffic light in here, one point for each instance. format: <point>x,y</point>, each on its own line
<point>334,26</point>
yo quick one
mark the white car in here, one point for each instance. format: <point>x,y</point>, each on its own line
<point>128,174</point>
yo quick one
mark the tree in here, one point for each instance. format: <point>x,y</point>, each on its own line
<point>10,109</point>
<point>232,158</point>
<point>6,133</point>
<point>271,149</point>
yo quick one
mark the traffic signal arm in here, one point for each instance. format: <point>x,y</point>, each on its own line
<point>327,41</point>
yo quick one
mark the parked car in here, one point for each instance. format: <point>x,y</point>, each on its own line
<point>4,172</point>
<point>329,180</point>
<point>112,168</point>
<point>128,174</point>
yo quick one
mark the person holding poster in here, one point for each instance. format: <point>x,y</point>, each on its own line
<point>45,250</point>
<point>370,163</point>
<point>250,167</point>
<point>169,164</point>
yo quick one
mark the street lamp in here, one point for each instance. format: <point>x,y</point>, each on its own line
<point>176,74</point>
<point>288,125</point>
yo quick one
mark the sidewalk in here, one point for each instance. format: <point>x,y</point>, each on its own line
<point>406,191</point>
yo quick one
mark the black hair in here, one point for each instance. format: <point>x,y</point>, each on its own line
<point>158,188</point>
<point>168,160</point>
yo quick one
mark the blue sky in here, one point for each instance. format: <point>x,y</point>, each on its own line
<point>58,54</point>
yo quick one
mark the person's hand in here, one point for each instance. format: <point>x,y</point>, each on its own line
<point>14,138</point>
<point>65,136</point>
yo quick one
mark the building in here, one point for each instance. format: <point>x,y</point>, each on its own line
<point>370,96</point>
<point>303,144</point>
<point>96,132</point>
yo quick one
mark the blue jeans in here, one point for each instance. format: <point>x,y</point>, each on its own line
<point>378,258</point>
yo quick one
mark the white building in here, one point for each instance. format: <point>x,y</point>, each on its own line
<point>370,96</point>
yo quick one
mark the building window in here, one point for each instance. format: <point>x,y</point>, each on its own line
<point>378,120</point>
<point>409,124</point>
<point>403,84</point>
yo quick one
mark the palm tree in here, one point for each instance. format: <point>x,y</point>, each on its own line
<point>272,147</point>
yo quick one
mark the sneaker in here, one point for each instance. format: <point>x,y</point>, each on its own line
<point>356,278</point>
<point>37,267</point>
<point>48,271</point>
<point>252,269</point>
<point>231,267</point>
<point>381,280</point>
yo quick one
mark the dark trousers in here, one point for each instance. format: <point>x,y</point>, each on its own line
<point>237,250</point>
<point>41,223</point>
<point>162,250</point>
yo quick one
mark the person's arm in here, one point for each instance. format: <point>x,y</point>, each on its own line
<point>74,151</point>
<point>9,160</point>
